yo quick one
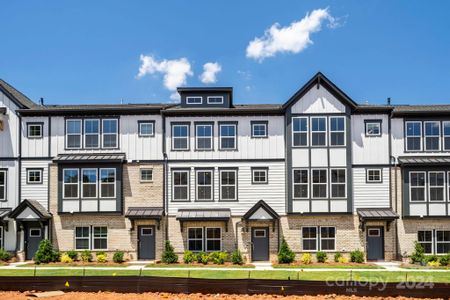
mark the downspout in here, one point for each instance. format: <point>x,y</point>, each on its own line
<point>165,178</point>
<point>19,183</point>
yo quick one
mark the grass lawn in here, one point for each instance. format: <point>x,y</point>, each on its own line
<point>198,266</point>
<point>326,265</point>
<point>417,267</point>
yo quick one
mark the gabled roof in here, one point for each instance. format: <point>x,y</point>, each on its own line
<point>261,205</point>
<point>34,205</point>
<point>20,99</point>
<point>321,79</point>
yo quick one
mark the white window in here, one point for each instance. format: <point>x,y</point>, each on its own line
<point>35,232</point>
<point>89,183</point>
<point>204,185</point>
<point>227,136</point>
<point>413,136</point>
<point>301,184</point>
<point>259,233</point>
<point>228,185</point>
<point>373,128</point>
<point>34,176</point>
<point>146,128</point>
<point>204,136</point>
<point>434,241</point>
<point>319,238</point>
<point>91,133</point>
<point>3,185</point>
<point>73,134</point>
<point>70,183</point>
<point>180,183</point>
<point>213,239</point>
<point>194,100</point>
<point>195,239</point>
<point>146,175</point>
<point>436,186</point>
<point>180,136</point>
<point>107,183</point>
<point>34,130</point>
<point>110,133</point>
<point>82,238</point>
<point>309,238</point>
<point>442,241</point>
<point>327,238</point>
<point>318,131</point>
<point>300,131</point>
<point>373,176</point>
<point>319,183</point>
<point>432,135</point>
<point>147,231</point>
<point>259,129</point>
<point>338,183</point>
<point>215,99</point>
<point>446,132</point>
<point>259,175</point>
<point>337,131</point>
<point>100,238</point>
<point>417,186</point>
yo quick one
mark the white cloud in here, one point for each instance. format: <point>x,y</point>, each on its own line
<point>293,38</point>
<point>210,71</point>
<point>175,71</point>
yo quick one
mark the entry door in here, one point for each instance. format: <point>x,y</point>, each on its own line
<point>260,244</point>
<point>34,235</point>
<point>146,240</point>
<point>375,243</point>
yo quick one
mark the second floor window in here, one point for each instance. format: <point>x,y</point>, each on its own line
<point>108,183</point>
<point>373,176</point>
<point>227,136</point>
<point>373,128</point>
<point>300,131</point>
<point>338,183</point>
<point>413,136</point>
<point>259,129</point>
<point>301,184</point>
<point>337,131</point>
<point>34,176</point>
<point>110,133</point>
<point>204,185</point>
<point>432,135</point>
<point>2,185</point>
<point>89,183</point>
<point>204,136</point>
<point>91,133</point>
<point>436,183</point>
<point>319,183</point>
<point>146,128</point>
<point>34,130</point>
<point>180,185</point>
<point>417,186</point>
<point>70,183</point>
<point>318,131</point>
<point>96,133</point>
<point>180,137</point>
<point>73,134</point>
<point>228,185</point>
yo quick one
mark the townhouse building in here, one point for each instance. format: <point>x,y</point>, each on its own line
<point>322,171</point>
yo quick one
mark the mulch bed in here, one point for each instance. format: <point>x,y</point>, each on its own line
<point>79,264</point>
<point>325,265</point>
<point>195,264</point>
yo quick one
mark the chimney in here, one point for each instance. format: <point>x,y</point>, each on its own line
<point>41,102</point>
<point>389,101</point>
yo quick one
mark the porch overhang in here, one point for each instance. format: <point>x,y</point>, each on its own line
<point>376,214</point>
<point>261,211</point>
<point>424,160</point>
<point>90,158</point>
<point>4,212</point>
<point>145,213</point>
<point>199,215</point>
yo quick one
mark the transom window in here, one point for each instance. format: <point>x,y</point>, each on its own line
<point>194,100</point>
<point>228,185</point>
<point>322,238</point>
<point>300,131</point>
<point>319,183</point>
<point>91,133</point>
<point>417,186</point>
<point>146,174</point>
<point>373,175</point>
<point>2,185</point>
<point>337,131</point>
<point>110,133</point>
<point>436,182</point>
<point>259,175</point>
<point>301,183</point>
<point>259,129</point>
<point>215,99</point>
<point>338,183</point>
<point>180,136</point>
<point>204,185</point>
<point>204,136</point>
<point>373,128</point>
<point>34,130</point>
<point>432,135</point>
<point>180,185</point>
<point>318,131</point>
<point>146,128</point>
<point>227,136</point>
<point>34,176</point>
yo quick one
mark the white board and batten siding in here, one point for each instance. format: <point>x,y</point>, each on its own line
<point>318,101</point>
<point>249,194</point>
<point>35,191</point>
<point>369,150</point>
<point>370,195</point>
<point>271,147</point>
<point>134,146</point>
<point>35,147</point>
<point>9,136</point>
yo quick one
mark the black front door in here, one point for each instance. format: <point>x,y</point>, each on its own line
<point>33,236</point>
<point>260,244</point>
<point>146,241</point>
<point>375,243</point>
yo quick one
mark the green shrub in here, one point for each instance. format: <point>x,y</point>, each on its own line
<point>357,256</point>
<point>45,253</point>
<point>72,254</point>
<point>431,258</point>
<point>66,259</point>
<point>337,256</point>
<point>118,257</point>
<point>285,255</point>
<point>86,256</point>
<point>168,255</point>
<point>218,258</point>
<point>4,255</point>
<point>321,256</point>
<point>199,256</point>
<point>444,260</point>
<point>101,258</point>
<point>188,257</point>
<point>100,253</point>
<point>306,258</point>
<point>204,258</point>
<point>236,257</point>
<point>418,255</point>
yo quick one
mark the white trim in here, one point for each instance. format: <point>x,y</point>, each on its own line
<point>294,184</point>
<point>80,121</point>
<point>436,186</point>
<point>259,230</point>
<point>195,239</point>
<point>40,131</point>
<point>71,183</point>
<point>234,137</point>
<point>418,186</point>
<point>374,181</point>
<point>212,239</point>
<point>444,135</point>
<point>91,134</point>
<point>107,183</point>
<point>4,185</point>
<point>266,175</point>
<point>116,133</point>
<point>319,131</point>
<point>222,185</point>
<point>209,102</point>
<point>140,174</point>
<point>338,183</point>
<point>40,176</point>
<point>312,183</point>
<point>181,185</point>
<point>83,183</point>
<point>99,238</point>
<point>152,123</point>
<point>210,137</point>
<point>194,103</point>
<point>82,238</point>
<point>344,131</point>
<point>304,132</point>
<point>266,129</point>
<point>211,185</point>
<point>180,137</point>
<point>414,136</point>
<point>438,136</point>
<point>34,235</point>
<point>377,123</point>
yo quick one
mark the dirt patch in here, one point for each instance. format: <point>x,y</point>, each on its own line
<point>154,296</point>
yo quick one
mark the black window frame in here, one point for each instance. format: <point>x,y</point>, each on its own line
<point>146,122</point>
<point>40,170</point>
<point>5,185</point>
<point>373,121</point>
<point>197,137</point>
<point>188,135</point>
<point>188,184</point>
<point>236,172</point>
<point>259,123</point>
<point>228,123</point>
<point>259,169</point>
<point>40,125</point>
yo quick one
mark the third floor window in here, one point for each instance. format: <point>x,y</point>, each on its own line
<point>92,133</point>
<point>319,131</point>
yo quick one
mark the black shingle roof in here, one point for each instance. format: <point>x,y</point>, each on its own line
<point>16,95</point>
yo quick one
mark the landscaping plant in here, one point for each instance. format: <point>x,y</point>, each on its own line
<point>188,257</point>
<point>418,255</point>
<point>168,255</point>
<point>285,255</point>
<point>444,260</point>
<point>101,257</point>
<point>198,257</point>
<point>342,259</point>
<point>218,258</point>
<point>337,256</point>
<point>86,256</point>
<point>236,257</point>
<point>357,256</point>
<point>321,256</point>
<point>204,258</point>
<point>72,254</point>
<point>45,253</point>
<point>306,258</point>
<point>66,259</point>
<point>118,257</point>
<point>4,255</point>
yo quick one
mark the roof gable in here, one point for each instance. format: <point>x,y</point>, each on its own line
<point>261,211</point>
<point>20,99</point>
<point>29,210</point>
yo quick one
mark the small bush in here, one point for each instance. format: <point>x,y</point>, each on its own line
<point>198,257</point>
<point>445,260</point>
<point>285,255</point>
<point>66,259</point>
<point>418,255</point>
<point>118,257</point>
<point>101,258</point>
<point>337,256</point>
<point>188,257</point>
<point>86,256</point>
<point>342,259</point>
<point>168,255</point>
<point>321,256</point>
<point>204,258</point>
<point>236,258</point>
<point>431,258</point>
<point>433,264</point>
<point>218,258</point>
<point>72,254</point>
<point>306,258</point>
<point>4,255</point>
<point>357,256</point>
<point>46,254</point>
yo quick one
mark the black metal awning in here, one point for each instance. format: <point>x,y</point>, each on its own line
<point>376,214</point>
<point>97,157</point>
<point>424,160</point>
<point>144,213</point>
<point>219,214</point>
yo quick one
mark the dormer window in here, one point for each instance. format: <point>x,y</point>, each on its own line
<point>194,100</point>
<point>215,100</point>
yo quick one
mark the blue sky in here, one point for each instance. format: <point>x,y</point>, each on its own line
<point>89,51</point>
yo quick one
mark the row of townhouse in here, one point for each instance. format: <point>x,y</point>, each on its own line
<point>322,171</point>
